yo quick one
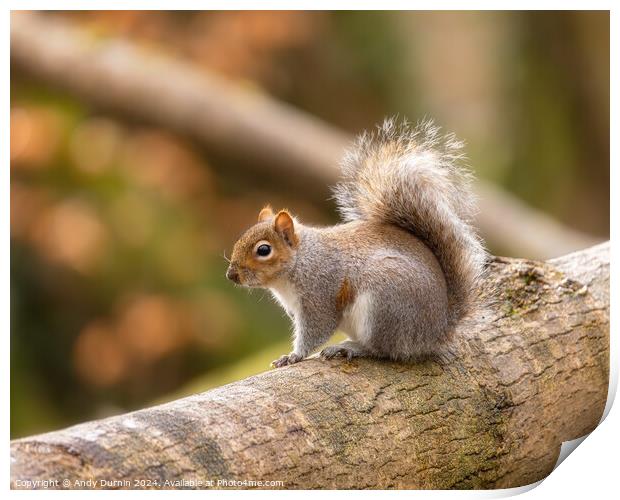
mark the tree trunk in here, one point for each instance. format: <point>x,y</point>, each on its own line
<point>524,375</point>
<point>250,129</point>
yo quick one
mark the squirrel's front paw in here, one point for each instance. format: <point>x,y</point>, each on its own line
<point>287,359</point>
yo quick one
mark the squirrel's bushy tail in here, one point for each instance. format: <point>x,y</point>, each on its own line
<point>414,177</point>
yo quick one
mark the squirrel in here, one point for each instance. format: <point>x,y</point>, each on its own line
<point>401,270</point>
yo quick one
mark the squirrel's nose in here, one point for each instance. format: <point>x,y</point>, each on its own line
<point>232,275</point>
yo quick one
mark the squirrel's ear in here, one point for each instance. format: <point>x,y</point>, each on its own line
<point>265,213</point>
<point>284,226</point>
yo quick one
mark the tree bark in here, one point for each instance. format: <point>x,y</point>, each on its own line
<point>254,131</point>
<point>527,373</point>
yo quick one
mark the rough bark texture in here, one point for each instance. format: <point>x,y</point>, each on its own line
<point>249,128</point>
<point>526,374</point>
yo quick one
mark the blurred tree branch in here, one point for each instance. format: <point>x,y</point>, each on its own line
<point>521,378</point>
<point>256,132</point>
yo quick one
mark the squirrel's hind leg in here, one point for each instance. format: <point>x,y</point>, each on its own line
<point>348,349</point>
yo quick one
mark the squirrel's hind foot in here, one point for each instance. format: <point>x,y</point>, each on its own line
<point>348,349</point>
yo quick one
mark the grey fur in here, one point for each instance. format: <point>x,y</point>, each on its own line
<point>408,317</point>
<point>409,258</point>
<point>415,177</point>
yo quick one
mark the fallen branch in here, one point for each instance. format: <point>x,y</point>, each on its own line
<point>248,127</point>
<point>521,378</point>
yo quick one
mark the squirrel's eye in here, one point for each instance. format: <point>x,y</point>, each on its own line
<point>263,250</point>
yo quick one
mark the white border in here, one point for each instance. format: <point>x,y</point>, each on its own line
<point>590,471</point>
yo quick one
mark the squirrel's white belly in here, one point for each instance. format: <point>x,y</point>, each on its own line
<point>356,318</point>
<point>286,295</point>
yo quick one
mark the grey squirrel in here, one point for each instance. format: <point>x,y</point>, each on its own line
<point>400,271</point>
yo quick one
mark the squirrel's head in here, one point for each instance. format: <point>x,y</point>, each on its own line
<point>263,252</point>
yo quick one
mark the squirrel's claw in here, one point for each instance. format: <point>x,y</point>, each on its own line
<point>281,361</point>
<point>334,351</point>
<point>286,359</point>
<point>347,350</point>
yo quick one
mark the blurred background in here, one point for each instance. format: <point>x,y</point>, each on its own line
<point>119,225</point>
